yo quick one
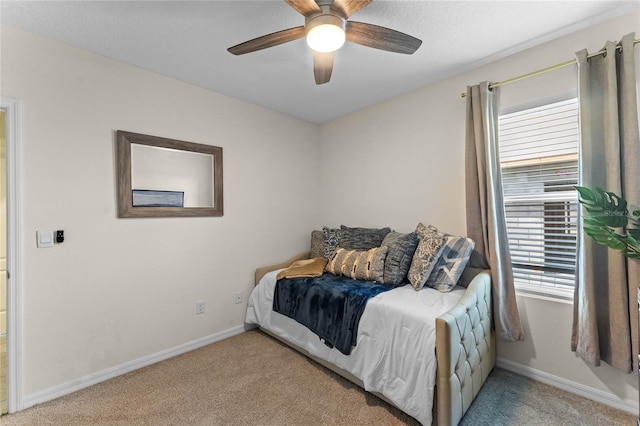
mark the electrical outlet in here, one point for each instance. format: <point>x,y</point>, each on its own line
<point>238,298</point>
<point>200,307</point>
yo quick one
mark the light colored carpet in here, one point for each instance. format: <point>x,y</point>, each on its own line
<point>507,398</point>
<point>252,379</point>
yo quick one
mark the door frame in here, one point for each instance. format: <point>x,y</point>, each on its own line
<point>13,123</point>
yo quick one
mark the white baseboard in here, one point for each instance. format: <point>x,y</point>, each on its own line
<point>110,373</point>
<point>569,386</point>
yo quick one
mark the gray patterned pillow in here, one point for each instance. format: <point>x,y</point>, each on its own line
<point>451,263</point>
<point>401,250</point>
<point>331,240</point>
<point>429,248</point>
<point>359,265</point>
<point>361,238</point>
<point>317,244</point>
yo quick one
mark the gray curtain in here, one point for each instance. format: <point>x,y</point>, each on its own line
<point>605,320</point>
<point>486,222</point>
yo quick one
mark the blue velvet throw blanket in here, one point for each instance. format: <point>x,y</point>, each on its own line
<point>330,306</point>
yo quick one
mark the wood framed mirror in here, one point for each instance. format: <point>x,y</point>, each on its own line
<point>160,177</point>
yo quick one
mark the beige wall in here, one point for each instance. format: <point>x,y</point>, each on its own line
<point>402,161</point>
<point>120,289</point>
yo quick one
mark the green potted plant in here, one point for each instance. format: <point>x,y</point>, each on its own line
<point>608,221</point>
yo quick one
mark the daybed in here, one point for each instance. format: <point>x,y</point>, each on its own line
<point>426,352</point>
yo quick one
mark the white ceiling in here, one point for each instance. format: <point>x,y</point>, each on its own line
<point>187,40</point>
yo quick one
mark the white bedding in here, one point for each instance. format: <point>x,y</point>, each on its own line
<point>395,353</point>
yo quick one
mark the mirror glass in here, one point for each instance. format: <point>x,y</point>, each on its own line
<point>160,177</point>
<point>165,170</point>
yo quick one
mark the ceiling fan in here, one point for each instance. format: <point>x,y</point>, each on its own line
<point>326,28</point>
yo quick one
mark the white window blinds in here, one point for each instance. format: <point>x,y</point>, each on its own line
<point>539,160</point>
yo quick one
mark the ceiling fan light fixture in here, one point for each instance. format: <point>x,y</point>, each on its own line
<point>325,28</point>
<point>325,33</point>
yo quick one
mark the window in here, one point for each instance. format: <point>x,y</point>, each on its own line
<point>539,160</point>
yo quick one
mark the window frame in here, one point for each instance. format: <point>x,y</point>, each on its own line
<point>554,292</point>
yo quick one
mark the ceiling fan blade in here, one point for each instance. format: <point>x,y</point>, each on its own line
<point>348,7</point>
<point>322,66</point>
<point>304,7</point>
<point>381,38</point>
<point>268,40</point>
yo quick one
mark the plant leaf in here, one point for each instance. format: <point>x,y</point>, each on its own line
<point>605,207</point>
<point>632,249</point>
<point>635,233</point>
<point>605,211</point>
<point>603,235</point>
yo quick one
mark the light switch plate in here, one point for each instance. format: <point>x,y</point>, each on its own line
<point>44,239</point>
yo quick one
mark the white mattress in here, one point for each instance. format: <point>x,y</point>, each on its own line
<point>395,353</point>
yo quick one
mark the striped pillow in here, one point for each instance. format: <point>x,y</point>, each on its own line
<point>361,238</point>
<point>401,250</point>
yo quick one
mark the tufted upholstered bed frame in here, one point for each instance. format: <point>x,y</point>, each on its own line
<point>465,346</point>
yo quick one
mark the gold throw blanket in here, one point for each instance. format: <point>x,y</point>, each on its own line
<point>304,268</point>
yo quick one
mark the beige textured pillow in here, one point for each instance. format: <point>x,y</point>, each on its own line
<point>359,265</point>
<point>430,245</point>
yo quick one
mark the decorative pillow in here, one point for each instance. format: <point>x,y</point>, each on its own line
<point>401,250</point>
<point>331,240</point>
<point>317,244</point>
<point>361,238</point>
<point>430,245</point>
<point>359,265</point>
<point>449,267</point>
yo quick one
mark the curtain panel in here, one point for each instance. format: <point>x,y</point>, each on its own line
<point>605,320</point>
<point>486,223</point>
